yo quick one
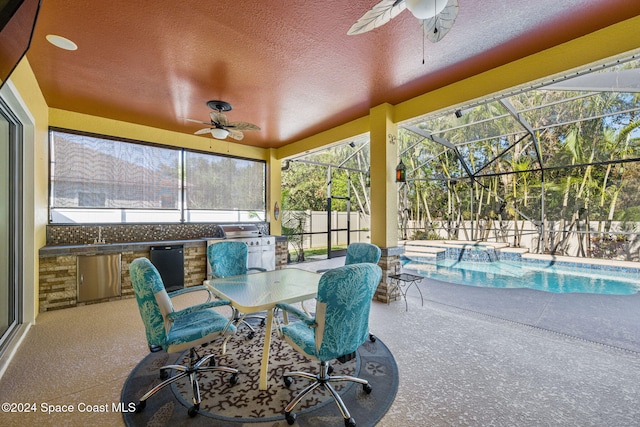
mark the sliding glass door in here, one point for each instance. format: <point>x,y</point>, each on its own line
<point>10,224</point>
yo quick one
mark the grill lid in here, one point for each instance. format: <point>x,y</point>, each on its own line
<point>232,231</point>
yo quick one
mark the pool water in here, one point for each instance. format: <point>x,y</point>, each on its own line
<point>548,278</point>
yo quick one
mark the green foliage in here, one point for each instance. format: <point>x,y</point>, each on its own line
<point>426,235</point>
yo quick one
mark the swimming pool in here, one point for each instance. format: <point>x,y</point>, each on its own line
<point>519,274</point>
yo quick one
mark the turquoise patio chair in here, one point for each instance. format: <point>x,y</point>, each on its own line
<point>339,327</point>
<point>177,331</point>
<point>359,252</point>
<point>229,258</point>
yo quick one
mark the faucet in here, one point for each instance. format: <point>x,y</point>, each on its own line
<point>100,239</point>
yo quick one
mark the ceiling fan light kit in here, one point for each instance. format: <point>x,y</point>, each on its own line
<point>425,9</point>
<point>219,133</point>
<point>437,16</point>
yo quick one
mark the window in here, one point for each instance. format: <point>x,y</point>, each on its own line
<point>224,188</point>
<point>11,141</point>
<point>95,179</point>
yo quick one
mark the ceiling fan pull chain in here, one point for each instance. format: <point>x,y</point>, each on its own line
<point>423,37</point>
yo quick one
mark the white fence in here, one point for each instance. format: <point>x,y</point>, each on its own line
<point>622,242</point>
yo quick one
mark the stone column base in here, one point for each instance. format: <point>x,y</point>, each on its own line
<point>390,264</point>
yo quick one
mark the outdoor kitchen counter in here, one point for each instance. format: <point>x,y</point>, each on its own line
<point>105,248</point>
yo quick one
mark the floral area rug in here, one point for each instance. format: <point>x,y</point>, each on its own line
<point>224,404</point>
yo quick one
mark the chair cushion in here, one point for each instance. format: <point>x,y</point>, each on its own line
<point>301,337</point>
<point>196,328</point>
<point>227,258</point>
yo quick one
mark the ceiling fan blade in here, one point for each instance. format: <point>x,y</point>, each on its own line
<point>218,117</point>
<point>196,121</point>
<point>379,15</point>
<point>243,126</point>
<point>437,27</point>
<point>202,131</point>
<point>235,134</point>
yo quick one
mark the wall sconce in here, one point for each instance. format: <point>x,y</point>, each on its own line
<point>401,172</point>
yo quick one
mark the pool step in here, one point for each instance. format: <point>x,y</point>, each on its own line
<point>417,251</point>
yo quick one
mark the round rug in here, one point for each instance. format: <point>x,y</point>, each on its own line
<point>241,404</point>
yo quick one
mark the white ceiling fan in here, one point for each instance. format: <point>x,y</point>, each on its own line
<point>437,16</point>
<point>219,126</point>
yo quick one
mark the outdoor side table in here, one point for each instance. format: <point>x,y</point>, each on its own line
<point>402,282</point>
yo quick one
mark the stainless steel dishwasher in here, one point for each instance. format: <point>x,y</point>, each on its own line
<point>99,277</point>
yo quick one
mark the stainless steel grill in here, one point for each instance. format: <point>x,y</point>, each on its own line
<point>262,248</point>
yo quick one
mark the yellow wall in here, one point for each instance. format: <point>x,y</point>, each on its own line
<point>339,133</point>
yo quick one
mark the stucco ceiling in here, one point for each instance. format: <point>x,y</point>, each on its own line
<point>287,66</point>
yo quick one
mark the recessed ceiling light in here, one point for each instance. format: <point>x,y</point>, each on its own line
<point>61,42</point>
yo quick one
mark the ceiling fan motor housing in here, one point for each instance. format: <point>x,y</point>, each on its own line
<point>219,105</point>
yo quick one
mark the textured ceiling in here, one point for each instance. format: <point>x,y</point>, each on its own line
<point>287,66</point>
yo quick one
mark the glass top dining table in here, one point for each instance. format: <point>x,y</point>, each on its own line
<point>253,293</point>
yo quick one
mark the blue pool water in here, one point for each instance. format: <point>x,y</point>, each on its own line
<point>549,278</point>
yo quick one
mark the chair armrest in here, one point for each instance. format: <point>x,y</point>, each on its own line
<point>192,309</point>
<point>308,320</point>
<point>191,289</point>
<point>256,269</point>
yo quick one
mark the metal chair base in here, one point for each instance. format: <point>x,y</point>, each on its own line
<point>196,364</point>
<point>325,380</point>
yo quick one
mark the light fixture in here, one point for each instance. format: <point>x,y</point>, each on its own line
<point>61,42</point>
<point>219,133</point>
<point>401,172</point>
<point>425,9</point>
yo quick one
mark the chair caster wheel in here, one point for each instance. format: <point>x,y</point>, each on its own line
<point>288,381</point>
<point>263,322</point>
<point>212,361</point>
<point>193,411</point>
<point>372,338</point>
<point>140,406</point>
<point>367,388</point>
<point>234,379</point>
<point>350,422</point>
<point>250,335</point>
<point>291,418</point>
<point>164,374</point>
<point>330,370</point>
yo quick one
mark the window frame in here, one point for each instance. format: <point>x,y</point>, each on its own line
<point>182,214</point>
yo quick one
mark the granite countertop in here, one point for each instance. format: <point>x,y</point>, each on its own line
<point>105,248</point>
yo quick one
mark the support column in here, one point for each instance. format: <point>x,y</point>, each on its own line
<point>274,193</point>
<point>384,195</point>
